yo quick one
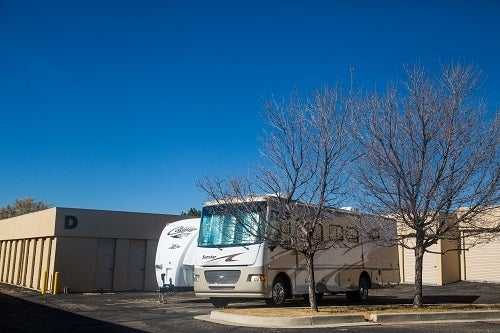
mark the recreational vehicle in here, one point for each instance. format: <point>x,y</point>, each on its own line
<point>233,263</point>
<point>175,254</point>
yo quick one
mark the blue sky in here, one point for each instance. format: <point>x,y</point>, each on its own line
<point>124,105</point>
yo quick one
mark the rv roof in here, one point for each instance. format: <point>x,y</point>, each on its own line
<point>258,198</point>
<point>265,197</point>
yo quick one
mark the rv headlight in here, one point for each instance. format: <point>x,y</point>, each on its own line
<point>196,277</point>
<point>256,278</point>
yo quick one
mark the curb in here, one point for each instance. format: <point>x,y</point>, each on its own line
<point>285,321</point>
<point>372,318</point>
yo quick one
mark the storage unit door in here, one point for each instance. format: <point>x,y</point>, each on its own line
<point>431,270</point>
<point>105,263</point>
<point>136,264</point>
<point>482,262</point>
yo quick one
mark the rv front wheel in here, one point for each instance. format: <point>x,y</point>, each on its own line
<point>279,293</point>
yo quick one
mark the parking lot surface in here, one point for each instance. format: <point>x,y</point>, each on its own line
<point>27,311</point>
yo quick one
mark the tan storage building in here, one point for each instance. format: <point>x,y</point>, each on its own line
<point>479,263</point>
<point>438,269</point>
<point>91,250</point>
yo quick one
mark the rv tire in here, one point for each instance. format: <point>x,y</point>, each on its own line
<point>279,292</point>
<point>362,293</point>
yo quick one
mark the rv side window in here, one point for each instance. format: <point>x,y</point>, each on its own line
<point>351,235</point>
<point>336,233</point>
<point>374,234</point>
<point>273,215</point>
<point>318,233</point>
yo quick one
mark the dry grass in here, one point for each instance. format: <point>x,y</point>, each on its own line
<point>339,310</point>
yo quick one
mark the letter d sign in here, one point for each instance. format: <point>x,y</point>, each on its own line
<point>70,222</point>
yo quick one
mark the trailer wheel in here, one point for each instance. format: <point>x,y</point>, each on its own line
<point>219,302</point>
<point>279,292</point>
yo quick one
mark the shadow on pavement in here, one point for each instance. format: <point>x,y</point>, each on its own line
<point>195,300</point>
<point>377,300</point>
<point>18,315</point>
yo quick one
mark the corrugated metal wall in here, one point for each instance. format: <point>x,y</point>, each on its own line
<point>482,262</point>
<point>26,262</point>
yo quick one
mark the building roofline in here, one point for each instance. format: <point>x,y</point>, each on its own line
<point>114,211</point>
<point>90,210</point>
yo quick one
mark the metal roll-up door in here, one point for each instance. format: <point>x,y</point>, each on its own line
<point>482,262</point>
<point>136,264</point>
<point>105,263</point>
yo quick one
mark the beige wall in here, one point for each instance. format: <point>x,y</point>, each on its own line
<point>112,224</point>
<point>38,224</point>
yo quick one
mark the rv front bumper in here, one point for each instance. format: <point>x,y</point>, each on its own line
<point>230,282</point>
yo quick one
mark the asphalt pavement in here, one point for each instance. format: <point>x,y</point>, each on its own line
<point>27,311</point>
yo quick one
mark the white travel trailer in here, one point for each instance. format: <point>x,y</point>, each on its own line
<point>232,263</point>
<point>175,253</point>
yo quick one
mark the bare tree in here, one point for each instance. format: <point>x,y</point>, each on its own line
<point>191,212</point>
<point>22,206</point>
<point>427,151</point>
<point>305,158</point>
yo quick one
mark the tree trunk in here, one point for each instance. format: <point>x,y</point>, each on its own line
<point>312,282</point>
<point>419,259</point>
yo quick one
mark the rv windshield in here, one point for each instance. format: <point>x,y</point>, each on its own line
<point>219,229</point>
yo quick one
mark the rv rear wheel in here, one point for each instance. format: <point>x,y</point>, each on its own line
<point>219,302</point>
<point>279,293</point>
<point>362,293</point>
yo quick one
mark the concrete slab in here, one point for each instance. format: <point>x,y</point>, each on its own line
<point>284,321</point>
<point>207,318</point>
